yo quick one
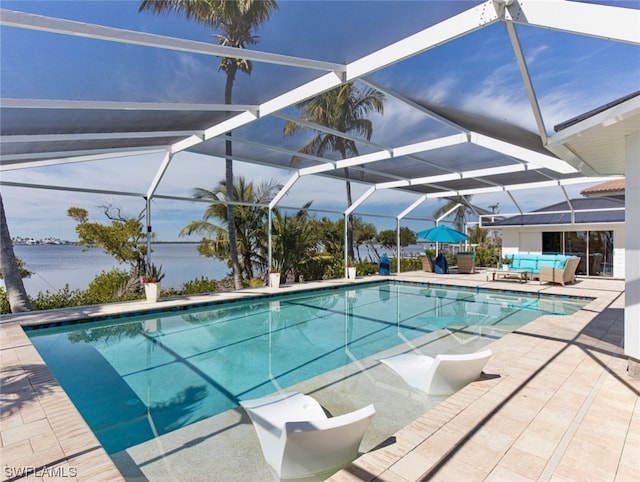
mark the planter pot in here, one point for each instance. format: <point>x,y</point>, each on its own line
<point>274,280</point>
<point>351,272</point>
<point>152,291</point>
<point>505,267</point>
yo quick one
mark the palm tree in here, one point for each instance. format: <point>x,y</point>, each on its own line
<point>342,109</point>
<point>460,215</point>
<point>18,299</point>
<point>250,223</point>
<point>293,238</point>
<point>236,20</point>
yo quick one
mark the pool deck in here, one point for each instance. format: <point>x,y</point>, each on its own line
<point>556,404</point>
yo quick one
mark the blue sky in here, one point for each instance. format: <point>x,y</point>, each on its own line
<point>475,72</point>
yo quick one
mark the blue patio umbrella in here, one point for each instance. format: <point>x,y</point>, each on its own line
<point>442,234</point>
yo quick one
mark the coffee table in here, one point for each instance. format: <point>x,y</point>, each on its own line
<point>496,274</point>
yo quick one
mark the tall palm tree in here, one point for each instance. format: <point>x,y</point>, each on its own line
<point>342,109</point>
<point>18,300</point>
<point>236,20</point>
<point>250,223</point>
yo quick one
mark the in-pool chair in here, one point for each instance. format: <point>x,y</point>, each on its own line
<point>299,441</point>
<point>442,375</point>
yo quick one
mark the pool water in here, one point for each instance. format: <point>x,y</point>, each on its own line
<point>136,378</point>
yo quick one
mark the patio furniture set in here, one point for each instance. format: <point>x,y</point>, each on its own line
<point>549,268</point>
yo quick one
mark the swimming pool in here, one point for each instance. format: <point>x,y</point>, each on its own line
<point>140,377</point>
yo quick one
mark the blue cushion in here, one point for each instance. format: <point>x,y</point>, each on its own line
<point>529,264</point>
<point>547,261</point>
<point>524,262</point>
<point>561,262</point>
<point>533,262</point>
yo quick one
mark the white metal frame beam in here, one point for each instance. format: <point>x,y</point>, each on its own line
<point>601,21</point>
<point>441,33</point>
<point>32,160</point>
<point>33,164</point>
<point>94,136</point>
<point>30,21</point>
<point>118,105</point>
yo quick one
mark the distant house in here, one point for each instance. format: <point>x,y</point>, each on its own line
<point>611,189</point>
<point>592,227</point>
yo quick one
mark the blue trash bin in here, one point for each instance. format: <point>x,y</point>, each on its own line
<point>385,266</point>
<point>440,264</point>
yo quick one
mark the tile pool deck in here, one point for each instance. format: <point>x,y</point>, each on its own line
<point>556,404</point>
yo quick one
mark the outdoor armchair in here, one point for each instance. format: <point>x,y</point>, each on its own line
<point>442,375</point>
<point>299,441</point>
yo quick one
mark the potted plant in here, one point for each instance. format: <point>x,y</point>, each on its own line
<point>274,273</point>
<point>351,270</point>
<point>505,262</point>
<point>151,283</point>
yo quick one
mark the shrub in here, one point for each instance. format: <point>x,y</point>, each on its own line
<point>4,302</point>
<point>112,286</point>
<point>199,285</point>
<point>487,256</point>
<point>254,283</point>
<point>63,298</point>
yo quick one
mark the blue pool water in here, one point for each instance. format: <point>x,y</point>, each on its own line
<point>144,376</point>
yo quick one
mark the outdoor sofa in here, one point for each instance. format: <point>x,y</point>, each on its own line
<point>553,268</point>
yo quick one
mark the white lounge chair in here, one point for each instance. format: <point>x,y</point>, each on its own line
<point>442,375</point>
<point>299,441</point>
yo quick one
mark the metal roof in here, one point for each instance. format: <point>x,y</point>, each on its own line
<point>447,148</point>
<point>575,211</point>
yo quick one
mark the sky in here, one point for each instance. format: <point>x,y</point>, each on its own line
<point>474,72</point>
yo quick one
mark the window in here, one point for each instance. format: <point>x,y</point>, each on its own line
<point>595,249</point>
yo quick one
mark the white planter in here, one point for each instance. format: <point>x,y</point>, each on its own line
<point>505,267</point>
<point>274,280</point>
<point>351,272</point>
<point>152,291</point>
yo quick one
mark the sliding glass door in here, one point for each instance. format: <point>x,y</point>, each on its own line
<point>595,249</point>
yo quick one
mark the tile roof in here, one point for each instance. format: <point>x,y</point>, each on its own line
<point>617,185</point>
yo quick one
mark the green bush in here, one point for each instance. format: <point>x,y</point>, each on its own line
<point>112,286</point>
<point>63,298</point>
<point>406,264</point>
<point>199,285</point>
<point>4,302</point>
<point>254,283</point>
<point>317,267</point>
<point>487,256</point>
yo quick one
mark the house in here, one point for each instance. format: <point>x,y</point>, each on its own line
<point>592,227</point>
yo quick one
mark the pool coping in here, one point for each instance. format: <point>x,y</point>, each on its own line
<point>43,432</point>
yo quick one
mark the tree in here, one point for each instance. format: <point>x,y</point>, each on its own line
<point>460,215</point>
<point>477,235</point>
<point>236,20</point>
<point>388,238</point>
<point>250,223</point>
<point>363,234</point>
<point>294,238</point>
<point>18,299</point>
<point>124,238</point>
<point>342,109</point>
